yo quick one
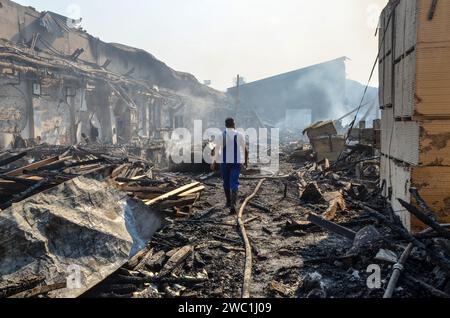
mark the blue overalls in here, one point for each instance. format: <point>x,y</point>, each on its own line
<point>230,171</point>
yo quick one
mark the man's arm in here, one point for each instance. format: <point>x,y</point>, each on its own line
<point>244,146</point>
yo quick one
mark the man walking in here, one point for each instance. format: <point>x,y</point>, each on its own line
<point>229,152</point>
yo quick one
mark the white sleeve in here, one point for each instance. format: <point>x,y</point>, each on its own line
<point>241,140</point>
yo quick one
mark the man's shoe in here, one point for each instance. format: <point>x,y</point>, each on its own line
<point>228,197</point>
<point>234,200</point>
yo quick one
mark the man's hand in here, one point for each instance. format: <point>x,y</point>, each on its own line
<point>214,167</point>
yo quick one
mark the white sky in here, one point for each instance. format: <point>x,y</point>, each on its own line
<point>217,39</point>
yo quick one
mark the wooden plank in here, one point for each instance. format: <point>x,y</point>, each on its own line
<point>33,166</point>
<point>11,186</point>
<point>146,196</point>
<point>39,290</point>
<point>127,188</point>
<point>172,194</point>
<point>184,201</point>
<point>175,260</point>
<point>137,178</point>
<point>117,171</point>
<point>11,159</point>
<point>57,165</point>
<point>192,191</point>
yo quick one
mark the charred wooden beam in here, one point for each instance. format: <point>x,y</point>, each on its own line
<point>21,196</point>
<point>12,289</point>
<point>33,166</point>
<point>426,219</point>
<point>331,226</point>
<point>22,181</point>
<point>421,202</point>
<point>259,206</point>
<point>433,291</point>
<point>9,160</point>
<point>402,232</point>
<point>172,194</point>
<point>39,290</point>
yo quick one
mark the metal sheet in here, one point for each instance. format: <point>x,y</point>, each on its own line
<point>82,226</point>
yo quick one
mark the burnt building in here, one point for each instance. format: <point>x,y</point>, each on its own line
<point>296,99</point>
<point>59,83</point>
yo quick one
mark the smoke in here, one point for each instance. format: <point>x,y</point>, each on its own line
<point>206,109</point>
<point>317,93</point>
<point>324,93</point>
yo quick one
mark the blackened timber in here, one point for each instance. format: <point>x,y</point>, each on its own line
<point>331,226</point>
<point>22,181</point>
<point>144,183</point>
<point>33,166</point>
<point>9,160</point>
<point>421,202</point>
<point>439,259</point>
<point>259,206</point>
<point>435,292</point>
<point>60,165</point>
<point>21,196</point>
<point>40,290</point>
<point>423,217</point>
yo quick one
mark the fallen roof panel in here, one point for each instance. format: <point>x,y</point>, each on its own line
<point>82,226</point>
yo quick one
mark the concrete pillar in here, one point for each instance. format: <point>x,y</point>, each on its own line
<point>377,124</point>
<point>27,89</point>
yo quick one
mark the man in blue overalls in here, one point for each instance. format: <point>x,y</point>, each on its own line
<point>228,153</point>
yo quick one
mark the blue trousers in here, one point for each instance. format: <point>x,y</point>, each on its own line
<point>230,175</point>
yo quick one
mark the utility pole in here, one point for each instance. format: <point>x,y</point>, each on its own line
<point>238,101</point>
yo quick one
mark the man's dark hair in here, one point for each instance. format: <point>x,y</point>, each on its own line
<point>229,123</point>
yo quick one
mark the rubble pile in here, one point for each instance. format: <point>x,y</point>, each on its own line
<point>76,206</point>
<point>316,230</point>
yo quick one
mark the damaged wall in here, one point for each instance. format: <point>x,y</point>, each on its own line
<point>319,88</point>
<point>414,97</point>
<point>20,23</point>
<point>62,107</point>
